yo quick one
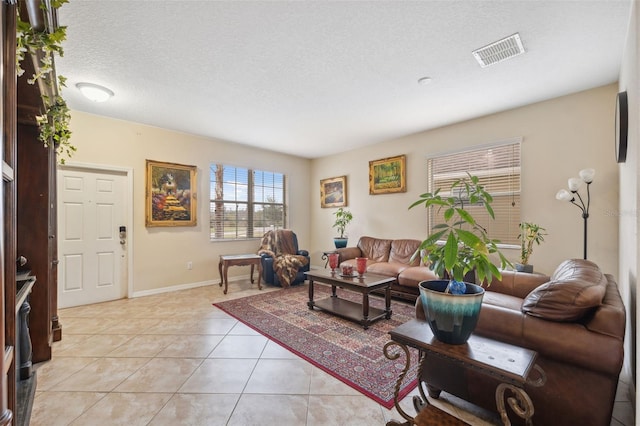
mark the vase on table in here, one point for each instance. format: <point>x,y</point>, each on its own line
<point>334,258</point>
<point>451,317</point>
<point>361,265</point>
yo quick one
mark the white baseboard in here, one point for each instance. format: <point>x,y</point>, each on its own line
<point>186,286</point>
<point>173,288</point>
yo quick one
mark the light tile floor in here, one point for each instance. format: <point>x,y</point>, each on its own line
<point>174,359</point>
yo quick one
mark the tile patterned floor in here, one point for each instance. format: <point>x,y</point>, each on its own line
<point>174,359</point>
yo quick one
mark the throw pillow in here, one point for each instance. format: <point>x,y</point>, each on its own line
<point>576,287</point>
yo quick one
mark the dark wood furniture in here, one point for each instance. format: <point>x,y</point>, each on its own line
<point>361,313</point>
<point>8,387</point>
<point>27,211</point>
<point>228,260</point>
<point>513,365</point>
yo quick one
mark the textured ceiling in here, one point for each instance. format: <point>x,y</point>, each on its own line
<point>313,78</point>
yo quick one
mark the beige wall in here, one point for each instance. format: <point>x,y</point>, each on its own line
<point>560,137</point>
<point>161,254</point>
<point>629,199</point>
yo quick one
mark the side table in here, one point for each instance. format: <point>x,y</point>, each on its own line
<point>512,365</point>
<point>227,260</point>
<point>325,256</point>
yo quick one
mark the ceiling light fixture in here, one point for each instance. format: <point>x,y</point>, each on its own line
<point>94,92</point>
<point>424,81</point>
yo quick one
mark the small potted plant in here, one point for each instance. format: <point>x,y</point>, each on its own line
<point>530,233</point>
<point>343,217</point>
<point>452,306</point>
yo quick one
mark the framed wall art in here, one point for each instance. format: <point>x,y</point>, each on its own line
<point>170,196</point>
<point>387,175</point>
<point>333,192</point>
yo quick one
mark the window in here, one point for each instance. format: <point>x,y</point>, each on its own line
<point>245,203</point>
<point>498,168</point>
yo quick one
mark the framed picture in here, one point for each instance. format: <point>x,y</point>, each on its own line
<point>170,196</point>
<point>333,192</point>
<point>387,175</point>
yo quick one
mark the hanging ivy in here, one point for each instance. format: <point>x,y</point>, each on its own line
<point>45,44</point>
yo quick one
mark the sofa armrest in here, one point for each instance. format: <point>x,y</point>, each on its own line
<point>347,253</point>
<point>563,342</point>
<point>267,268</point>
<point>304,253</point>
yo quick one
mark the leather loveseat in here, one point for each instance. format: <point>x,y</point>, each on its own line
<point>391,258</point>
<point>574,319</point>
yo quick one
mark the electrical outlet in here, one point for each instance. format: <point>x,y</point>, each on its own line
<point>189,265</point>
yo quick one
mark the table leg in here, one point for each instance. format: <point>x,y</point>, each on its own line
<point>310,302</point>
<point>220,271</point>
<point>333,291</point>
<point>387,302</point>
<point>251,274</point>
<point>365,310</point>
<point>396,401</point>
<point>225,269</point>
<point>520,403</point>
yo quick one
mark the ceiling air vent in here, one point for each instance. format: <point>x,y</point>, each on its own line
<point>499,51</point>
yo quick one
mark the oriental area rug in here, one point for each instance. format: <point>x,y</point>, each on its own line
<point>340,347</point>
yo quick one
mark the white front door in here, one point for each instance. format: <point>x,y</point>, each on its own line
<point>92,206</point>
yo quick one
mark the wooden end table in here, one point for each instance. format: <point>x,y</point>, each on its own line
<point>227,260</point>
<point>361,313</point>
<point>512,365</point>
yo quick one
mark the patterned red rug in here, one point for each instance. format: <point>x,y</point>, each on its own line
<point>341,348</point>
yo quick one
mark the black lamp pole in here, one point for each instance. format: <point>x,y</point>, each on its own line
<point>585,212</point>
<point>586,176</point>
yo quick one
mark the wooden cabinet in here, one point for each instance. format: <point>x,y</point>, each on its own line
<point>8,120</point>
<point>28,214</point>
<point>36,231</point>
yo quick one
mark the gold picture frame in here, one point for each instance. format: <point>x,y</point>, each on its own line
<point>170,196</point>
<point>333,192</point>
<point>387,175</point>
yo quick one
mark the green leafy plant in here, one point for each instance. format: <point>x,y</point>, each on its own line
<point>44,44</point>
<point>530,233</point>
<point>343,218</point>
<point>467,247</point>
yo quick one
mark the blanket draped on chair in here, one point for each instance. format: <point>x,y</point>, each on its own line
<point>286,262</point>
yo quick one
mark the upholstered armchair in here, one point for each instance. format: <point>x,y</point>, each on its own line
<point>282,260</point>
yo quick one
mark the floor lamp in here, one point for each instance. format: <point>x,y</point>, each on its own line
<point>586,176</point>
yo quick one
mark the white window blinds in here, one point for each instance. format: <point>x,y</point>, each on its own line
<point>498,168</point>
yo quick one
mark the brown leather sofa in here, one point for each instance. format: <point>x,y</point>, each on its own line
<point>574,319</point>
<point>391,258</point>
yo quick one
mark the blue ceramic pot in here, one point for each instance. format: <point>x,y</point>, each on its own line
<point>340,242</point>
<point>452,317</point>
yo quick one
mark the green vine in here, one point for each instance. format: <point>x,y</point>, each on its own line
<point>45,44</point>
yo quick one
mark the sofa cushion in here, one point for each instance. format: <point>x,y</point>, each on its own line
<point>375,249</point>
<point>575,288</point>
<point>412,276</point>
<point>389,269</point>
<point>402,250</point>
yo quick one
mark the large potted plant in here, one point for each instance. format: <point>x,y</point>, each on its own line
<point>456,248</point>
<point>530,233</point>
<point>343,218</point>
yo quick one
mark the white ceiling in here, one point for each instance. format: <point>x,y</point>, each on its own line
<point>314,78</point>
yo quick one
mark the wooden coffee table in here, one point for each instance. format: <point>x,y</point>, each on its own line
<point>360,313</point>
<point>512,365</point>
